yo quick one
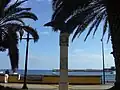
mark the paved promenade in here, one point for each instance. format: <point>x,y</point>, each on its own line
<point>55,87</point>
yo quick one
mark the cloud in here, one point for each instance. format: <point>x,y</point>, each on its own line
<point>44,33</point>
<point>87,60</point>
<point>77,51</point>
<point>39,0</point>
<point>43,0</point>
<point>43,62</point>
<point>49,0</point>
<point>78,59</point>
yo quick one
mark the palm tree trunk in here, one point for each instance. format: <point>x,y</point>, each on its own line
<point>64,41</point>
<point>113,10</point>
<point>13,50</point>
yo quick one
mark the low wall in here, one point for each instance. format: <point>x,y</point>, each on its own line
<point>73,79</point>
<point>50,79</point>
<point>14,78</point>
<point>2,77</point>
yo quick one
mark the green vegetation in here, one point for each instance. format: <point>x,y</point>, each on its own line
<point>75,16</point>
<point>12,27</point>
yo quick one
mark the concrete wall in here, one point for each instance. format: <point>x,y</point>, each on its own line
<point>55,79</point>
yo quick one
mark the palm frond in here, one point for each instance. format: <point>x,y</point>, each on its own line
<point>104,27</point>
<point>2,49</point>
<point>3,4</point>
<point>96,23</point>
<point>89,18</point>
<point>14,19</point>
<point>15,10</point>
<point>13,24</point>
<point>77,19</point>
<point>74,21</point>
<point>3,40</point>
<point>109,34</point>
<point>56,4</point>
<point>95,12</point>
<point>91,28</point>
<point>15,5</point>
<point>69,14</point>
<point>21,33</point>
<point>66,9</point>
<point>26,15</point>
<point>57,12</point>
<point>58,25</point>
<point>32,31</point>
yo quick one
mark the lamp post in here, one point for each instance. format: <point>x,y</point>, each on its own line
<point>103,58</point>
<point>26,62</point>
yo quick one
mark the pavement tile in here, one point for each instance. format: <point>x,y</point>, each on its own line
<point>55,87</point>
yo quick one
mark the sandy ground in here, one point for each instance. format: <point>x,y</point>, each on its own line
<point>55,87</point>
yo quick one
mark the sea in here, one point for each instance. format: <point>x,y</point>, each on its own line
<point>109,75</point>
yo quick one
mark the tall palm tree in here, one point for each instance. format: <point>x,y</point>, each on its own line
<point>12,27</point>
<point>91,12</point>
<point>62,11</point>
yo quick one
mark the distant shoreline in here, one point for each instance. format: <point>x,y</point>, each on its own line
<point>70,70</point>
<point>85,70</point>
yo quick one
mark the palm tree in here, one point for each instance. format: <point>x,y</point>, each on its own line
<point>59,18</point>
<point>12,27</point>
<point>77,17</point>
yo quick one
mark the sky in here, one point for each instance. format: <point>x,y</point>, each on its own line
<point>45,53</point>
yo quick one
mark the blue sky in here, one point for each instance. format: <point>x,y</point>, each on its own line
<point>45,53</point>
